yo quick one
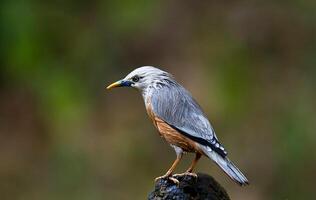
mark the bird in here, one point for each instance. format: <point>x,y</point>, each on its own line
<point>180,120</point>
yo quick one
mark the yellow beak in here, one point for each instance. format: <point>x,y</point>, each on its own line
<point>113,85</point>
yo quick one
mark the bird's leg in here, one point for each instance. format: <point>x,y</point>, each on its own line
<point>194,162</point>
<point>173,166</point>
<point>192,166</point>
<point>169,172</point>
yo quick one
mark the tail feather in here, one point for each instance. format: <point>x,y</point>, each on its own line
<point>227,166</point>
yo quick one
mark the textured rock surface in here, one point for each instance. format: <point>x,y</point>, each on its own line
<point>190,187</point>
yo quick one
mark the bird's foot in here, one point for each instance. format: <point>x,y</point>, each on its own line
<point>174,180</point>
<point>187,173</point>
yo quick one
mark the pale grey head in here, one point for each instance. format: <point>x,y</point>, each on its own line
<point>145,78</point>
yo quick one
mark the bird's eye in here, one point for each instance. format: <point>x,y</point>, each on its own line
<point>135,79</point>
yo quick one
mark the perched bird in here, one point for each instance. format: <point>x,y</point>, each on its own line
<point>179,120</point>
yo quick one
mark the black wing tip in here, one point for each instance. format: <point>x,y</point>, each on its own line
<point>214,145</point>
<point>243,184</point>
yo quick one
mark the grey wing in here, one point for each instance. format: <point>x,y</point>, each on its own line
<point>176,106</point>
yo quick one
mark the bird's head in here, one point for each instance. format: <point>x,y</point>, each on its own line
<point>142,78</point>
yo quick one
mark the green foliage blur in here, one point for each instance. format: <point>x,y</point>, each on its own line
<point>250,64</point>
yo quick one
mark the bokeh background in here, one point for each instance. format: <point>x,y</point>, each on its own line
<point>250,64</point>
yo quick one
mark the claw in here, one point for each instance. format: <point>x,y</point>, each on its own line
<point>187,174</point>
<point>174,180</point>
<point>160,177</point>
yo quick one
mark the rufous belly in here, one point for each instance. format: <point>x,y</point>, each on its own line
<point>171,135</point>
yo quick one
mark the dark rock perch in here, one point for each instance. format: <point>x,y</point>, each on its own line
<point>190,187</point>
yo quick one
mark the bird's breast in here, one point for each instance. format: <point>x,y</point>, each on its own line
<point>150,111</point>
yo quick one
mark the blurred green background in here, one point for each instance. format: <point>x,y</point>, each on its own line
<point>250,64</point>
